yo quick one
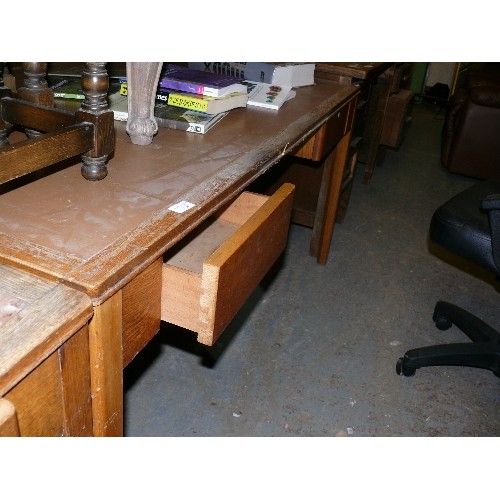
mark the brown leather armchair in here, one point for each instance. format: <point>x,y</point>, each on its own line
<point>471,131</point>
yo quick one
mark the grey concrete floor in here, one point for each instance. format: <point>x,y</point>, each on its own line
<point>313,351</point>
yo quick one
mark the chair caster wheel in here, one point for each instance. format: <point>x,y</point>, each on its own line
<point>401,369</point>
<point>442,322</point>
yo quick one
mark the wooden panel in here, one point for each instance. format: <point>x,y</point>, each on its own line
<point>180,302</point>
<point>35,117</point>
<point>141,310</point>
<point>75,374</point>
<point>38,400</point>
<point>327,136</point>
<point>44,354</point>
<point>105,346</point>
<point>237,267</point>
<point>54,399</point>
<point>47,315</point>
<point>8,419</point>
<point>353,70</point>
<point>396,117</point>
<point>206,302</point>
<point>40,152</point>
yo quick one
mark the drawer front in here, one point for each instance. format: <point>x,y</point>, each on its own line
<point>206,301</point>
<point>327,137</point>
<point>54,399</point>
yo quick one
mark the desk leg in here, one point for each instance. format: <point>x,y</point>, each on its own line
<point>142,80</point>
<point>374,123</point>
<point>106,367</point>
<point>328,200</point>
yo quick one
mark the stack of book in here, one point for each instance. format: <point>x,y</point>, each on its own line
<point>289,74</point>
<point>169,116</point>
<point>190,100</point>
<point>197,90</point>
<point>194,100</point>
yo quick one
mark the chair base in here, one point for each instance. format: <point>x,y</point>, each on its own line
<point>482,352</point>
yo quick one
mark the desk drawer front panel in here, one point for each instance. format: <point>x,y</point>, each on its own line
<point>54,399</point>
<point>327,136</point>
<point>207,281</point>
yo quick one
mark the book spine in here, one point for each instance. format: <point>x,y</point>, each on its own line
<point>182,101</point>
<point>121,116</point>
<point>254,71</point>
<point>180,125</point>
<point>193,88</point>
<point>66,95</point>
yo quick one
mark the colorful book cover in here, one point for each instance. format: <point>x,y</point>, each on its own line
<point>199,82</point>
<point>185,119</point>
<point>68,88</point>
<point>71,87</point>
<point>203,103</point>
<point>169,116</point>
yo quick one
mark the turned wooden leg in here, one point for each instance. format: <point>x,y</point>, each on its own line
<point>142,80</point>
<point>35,89</point>
<point>94,109</point>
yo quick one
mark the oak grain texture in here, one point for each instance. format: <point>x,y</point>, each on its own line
<point>141,310</point>
<point>44,356</point>
<point>8,419</point>
<point>206,302</point>
<point>98,237</point>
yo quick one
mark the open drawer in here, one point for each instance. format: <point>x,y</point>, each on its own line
<point>208,276</point>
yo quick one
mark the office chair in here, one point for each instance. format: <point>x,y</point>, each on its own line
<point>469,226</point>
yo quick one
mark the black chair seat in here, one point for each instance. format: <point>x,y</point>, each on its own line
<point>463,227</point>
<point>460,225</point>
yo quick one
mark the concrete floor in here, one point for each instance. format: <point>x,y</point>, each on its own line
<point>313,351</point>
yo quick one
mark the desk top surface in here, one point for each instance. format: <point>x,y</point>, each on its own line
<point>361,70</point>
<point>96,236</point>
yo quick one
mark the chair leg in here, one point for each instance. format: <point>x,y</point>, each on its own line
<point>480,355</point>
<point>482,352</point>
<point>446,314</point>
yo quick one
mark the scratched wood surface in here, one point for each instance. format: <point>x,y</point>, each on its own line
<point>37,317</point>
<point>97,236</point>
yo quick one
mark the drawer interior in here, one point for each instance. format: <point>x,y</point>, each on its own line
<point>208,276</point>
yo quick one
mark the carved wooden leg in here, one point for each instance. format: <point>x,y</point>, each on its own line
<point>142,80</point>
<point>94,109</point>
<point>35,89</point>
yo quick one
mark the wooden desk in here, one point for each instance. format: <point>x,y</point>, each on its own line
<point>108,238</point>
<point>375,82</point>
<point>44,361</point>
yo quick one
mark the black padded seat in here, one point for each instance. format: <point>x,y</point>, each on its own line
<point>467,225</point>
<point>462,226</point>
